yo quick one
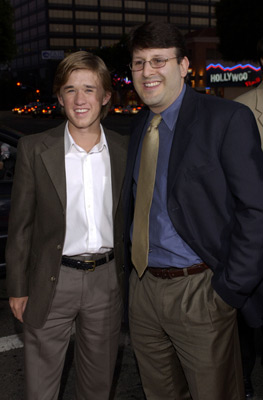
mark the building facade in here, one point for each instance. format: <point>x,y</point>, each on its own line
<point>46,29</point>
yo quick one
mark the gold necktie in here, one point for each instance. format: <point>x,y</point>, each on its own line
<point>145,186</point>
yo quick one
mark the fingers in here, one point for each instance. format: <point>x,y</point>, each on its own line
<point>18,305</point>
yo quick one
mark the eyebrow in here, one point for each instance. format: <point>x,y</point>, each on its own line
<point>153,56</point>
<point>86,86</point>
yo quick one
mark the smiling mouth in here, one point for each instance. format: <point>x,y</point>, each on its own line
<point>81,110</point>
<point>151,84</point>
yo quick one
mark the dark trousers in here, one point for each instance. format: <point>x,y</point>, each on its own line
<point>248,346</point>
<point>247,337</point>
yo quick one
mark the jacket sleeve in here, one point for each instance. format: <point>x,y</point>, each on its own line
<point>242,163</point>
<point>20,224</point>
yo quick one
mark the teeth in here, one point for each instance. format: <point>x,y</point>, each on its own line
<point>81,110</point>
<point>151,84</point>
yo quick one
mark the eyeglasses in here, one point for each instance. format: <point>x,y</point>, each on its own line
<point>138,65</point>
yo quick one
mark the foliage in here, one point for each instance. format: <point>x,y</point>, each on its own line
<point>7,35</point>
<point>239,27</point>
<point>116,57</point>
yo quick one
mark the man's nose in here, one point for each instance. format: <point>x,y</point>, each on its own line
<point>79,98</point>
<point>147,68</point>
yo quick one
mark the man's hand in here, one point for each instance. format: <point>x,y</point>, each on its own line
<point>18,305</point>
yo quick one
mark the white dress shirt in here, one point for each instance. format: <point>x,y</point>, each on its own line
<point>89,224</point>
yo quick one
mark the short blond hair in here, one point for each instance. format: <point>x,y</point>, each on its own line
<point>84,60</point>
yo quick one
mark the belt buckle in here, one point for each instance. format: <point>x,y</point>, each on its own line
<point>93,266</point>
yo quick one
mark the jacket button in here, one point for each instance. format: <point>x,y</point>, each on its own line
<point>59,247</point>
<point>52,278</point>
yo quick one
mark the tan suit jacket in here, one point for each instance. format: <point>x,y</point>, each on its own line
<point>254,100</point>
<point>37,219</point>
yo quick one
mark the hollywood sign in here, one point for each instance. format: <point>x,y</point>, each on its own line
<point>239,75</point>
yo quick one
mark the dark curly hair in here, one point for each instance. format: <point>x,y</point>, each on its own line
<point>157,35</point>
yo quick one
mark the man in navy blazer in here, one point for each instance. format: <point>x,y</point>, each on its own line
<point>205,256</point>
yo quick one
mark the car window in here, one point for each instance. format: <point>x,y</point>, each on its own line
<point>7,161</point>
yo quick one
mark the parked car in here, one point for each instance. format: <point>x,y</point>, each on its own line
<point>8,145</point>
<point>117,109</point>
<point>42,110</point>
<point>135,109</point>
<point>129,109</point>
<point>26,109</point>
<point>47,110</point>
<point>16,109</point>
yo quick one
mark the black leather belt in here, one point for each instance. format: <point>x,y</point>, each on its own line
<point>169,273</point>
<point>87,263</point>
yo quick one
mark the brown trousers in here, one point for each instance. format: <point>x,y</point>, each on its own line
<point>93,301</point>
<point>185,339</point>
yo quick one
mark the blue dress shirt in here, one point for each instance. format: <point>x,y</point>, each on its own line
<point>167,248</point>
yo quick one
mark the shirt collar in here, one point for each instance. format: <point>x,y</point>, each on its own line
<point>170,115</point>
<point>72,146</point>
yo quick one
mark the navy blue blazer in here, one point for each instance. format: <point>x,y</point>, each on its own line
<point>214,194</point>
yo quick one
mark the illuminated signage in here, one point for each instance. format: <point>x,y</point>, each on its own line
<point>52,54</point>
<point>239,75</point>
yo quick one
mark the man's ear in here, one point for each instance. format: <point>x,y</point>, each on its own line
<point>60,99</point>
<point>184,65</point>
<point>106,98</point>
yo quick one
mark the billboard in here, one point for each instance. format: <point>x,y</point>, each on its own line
<point>239,75</point>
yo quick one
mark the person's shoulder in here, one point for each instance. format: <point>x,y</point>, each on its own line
<point>39,137</point>
<point>116,137</point>
<point>246,98</point>
<point>208,101</point>
<point>195,95</point>
<point>215,107</point>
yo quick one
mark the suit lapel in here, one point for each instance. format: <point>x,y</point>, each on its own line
<point>54,160</point>
<point>259,104</point>
<point>140,122</point>
<point>182,136</point>
<point>118,162</point>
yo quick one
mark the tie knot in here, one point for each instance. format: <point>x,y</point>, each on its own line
<point>156,120</point>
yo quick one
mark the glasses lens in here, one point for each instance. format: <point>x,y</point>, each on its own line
<point>136,65</point>
<point>154,62</point>
<point>157,62</point>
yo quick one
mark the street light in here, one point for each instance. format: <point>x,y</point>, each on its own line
<point>31,88</point>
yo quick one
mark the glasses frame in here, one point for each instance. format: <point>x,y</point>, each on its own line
<point>150,62</point>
